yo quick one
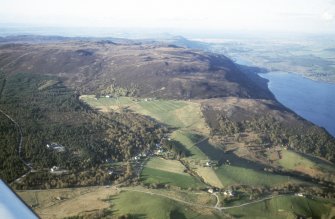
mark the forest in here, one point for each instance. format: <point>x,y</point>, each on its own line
<point>50,113</point>
<point>299,136</point>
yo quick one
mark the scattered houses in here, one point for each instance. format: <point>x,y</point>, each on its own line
<point>213,190</point>
<point>149,99</point>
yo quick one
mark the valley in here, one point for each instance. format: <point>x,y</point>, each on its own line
<point>146,130</point>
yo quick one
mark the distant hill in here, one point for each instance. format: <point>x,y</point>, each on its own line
<point>166,71</point>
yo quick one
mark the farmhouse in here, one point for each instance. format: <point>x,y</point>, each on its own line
<point>56,147</point>
<point>158,152</point>
<point>211,163</point>
<point>228,193</point>
<point>54,168</point>
<point>299,194</point>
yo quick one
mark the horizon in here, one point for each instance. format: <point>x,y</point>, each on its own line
<point>213,17</point>
<point>7,30</point>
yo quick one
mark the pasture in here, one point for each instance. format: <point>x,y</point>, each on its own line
<point>141,205</point>
<point>172,166</point>
<point>189,141</point>
<point>168,172</point>
<point>174,113</point>
<point>302,163</point>
<point>234,175</point>
<point>285,207</point>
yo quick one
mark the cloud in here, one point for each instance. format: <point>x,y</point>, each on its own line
<point>327,16</point>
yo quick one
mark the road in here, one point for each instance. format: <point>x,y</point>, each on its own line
<point>20,132</point>
<point>199,205</point>
<point>166,196</point>
<point>20,144</point>
<point>217,200</point>
<point>249,203</point>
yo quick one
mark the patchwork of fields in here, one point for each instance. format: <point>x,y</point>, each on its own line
<point>190,131</point>
<point>152,203</point>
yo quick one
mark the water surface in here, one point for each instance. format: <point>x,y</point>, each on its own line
<point>313,100</point>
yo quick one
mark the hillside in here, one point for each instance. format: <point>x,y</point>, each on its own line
<point>148,70</point>
<point>269,123</point>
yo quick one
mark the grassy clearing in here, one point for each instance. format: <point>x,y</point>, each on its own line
<point>178,114</point>
<point>159,171</point>
<point>141,205</point>
<point>175,113</point>
<point>285,207</point>
<point>105,104</point>
<point>232,175</point>
<point>294,161</point>
<point>172,166</point>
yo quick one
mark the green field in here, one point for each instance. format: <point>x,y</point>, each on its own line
<point>172,166</point>
<point>106,104</point>
<point>232,175</point>
<point>159,171</point>
<point>285,207</point>
<point>141,205</point>
<point>294,161</point>
<point>174,113</point>
<point>189,141</point>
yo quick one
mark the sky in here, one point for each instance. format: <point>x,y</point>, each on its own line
<point>312,16</point>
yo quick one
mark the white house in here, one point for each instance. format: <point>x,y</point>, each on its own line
<point>228,193</point>
<point>299,194</point>
<point>54,168</point>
